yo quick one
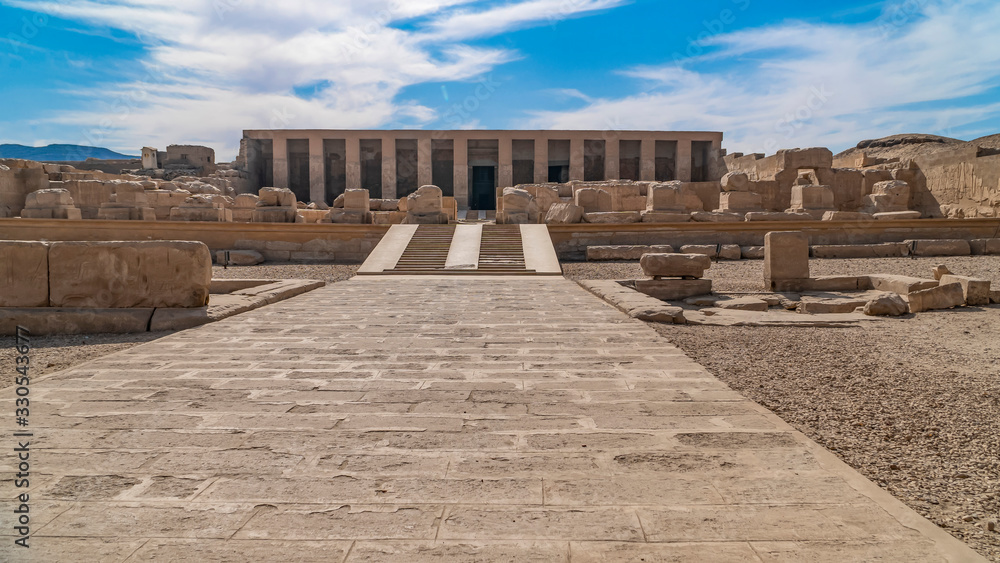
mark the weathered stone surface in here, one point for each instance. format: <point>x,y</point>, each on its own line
<point>675,265</point>
<point>665,217</point>
<point>612,217</point>
<point>720,251</point>
<point>838,283</point>
<point>53,197</point>
<point>349,216</point>
<point>942,247</point>
<point>976,291</point>
<point>778,216</point>
<point>752,252</point>
<point>592,200</point>
<point>426,200</point>
<point>714,217</point>
<point>276,197</point>
<point>903,285</point>
<point>885,250</point>
<point>811,197</point>
<point>886,305</point>
<point>939,271</point>
<point>786,256</point>
<point>239,257</point>
<point>739,202</point>
<point>888,196</point>
<point>272,214</point>
<point>673,196</point>
<point>246,201</point>
<point>673,289</point>
<point>941,297</point>
<point>357,200</point>
<point>60,320</point>
<point>896,215</point>
<point>826,304</point>
<point>736,182</point>
<point>129,274</point>
<point>743,304</point>
<point>847,216</point>
<point>982,246</point>
<point>625,252</point>
<point>24,274</point>
<point>564,213</point>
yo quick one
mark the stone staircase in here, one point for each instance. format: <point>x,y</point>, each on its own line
<point>478,249</point>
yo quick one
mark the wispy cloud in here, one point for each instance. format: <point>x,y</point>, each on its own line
<point>214,68</point>
<point>799,84</point>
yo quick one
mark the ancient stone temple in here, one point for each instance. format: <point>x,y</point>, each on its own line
<point>319,165</point>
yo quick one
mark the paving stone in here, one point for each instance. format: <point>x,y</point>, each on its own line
<point>439,419</point>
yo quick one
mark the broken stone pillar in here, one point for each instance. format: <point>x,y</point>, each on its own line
<point>675,276</point>
<point>786,260</point>
<point>518,207</point>
<point>275,205</point>
<point>355,208</point>
<point>426,207</point>
<point>55,203</point>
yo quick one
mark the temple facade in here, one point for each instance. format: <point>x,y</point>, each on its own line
<point>470,165</point>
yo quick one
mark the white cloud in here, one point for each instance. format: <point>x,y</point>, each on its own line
<point>831,85</point>
<point>216,67</point>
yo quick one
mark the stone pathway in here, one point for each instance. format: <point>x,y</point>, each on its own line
<point>435,419</point>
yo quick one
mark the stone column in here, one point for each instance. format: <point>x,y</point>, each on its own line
<point>462,172</point>
<point>388,167</point>
<point>317,170</point>
<point>612,160</point>
<point>280,164</point>
<point>647,160</point>
<point>425,172</point>
<point>505,160</point>
<point>352,150</point>
<point>576,158</point>
<point>541,160</point>
<point>684,160</point>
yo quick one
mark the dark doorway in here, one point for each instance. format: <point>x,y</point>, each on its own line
<point>559,174</point>
<point>483,188</point>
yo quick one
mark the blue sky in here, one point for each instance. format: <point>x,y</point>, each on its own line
<point>768,74</point>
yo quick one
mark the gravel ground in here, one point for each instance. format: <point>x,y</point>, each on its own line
<point>50,354</point>
<point>287,271</point>
<point>911,403</point>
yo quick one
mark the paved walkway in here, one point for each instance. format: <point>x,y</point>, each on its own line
<point>436,419</point>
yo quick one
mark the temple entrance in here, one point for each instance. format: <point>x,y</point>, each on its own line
<point>483,188</point>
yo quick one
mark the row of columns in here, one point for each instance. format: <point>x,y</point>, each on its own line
<point>505,172</point>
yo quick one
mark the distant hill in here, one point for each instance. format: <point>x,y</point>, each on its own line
<point>60,153</point>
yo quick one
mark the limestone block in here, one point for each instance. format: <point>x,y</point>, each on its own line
<point>736,182</point>
<point>613,217</point>
<point>239,257</point>
<point>752,252</point>
<point>903,285</point>
<point>716,217</point>
<point>388,217</point>
<point>739,201</point>
<point>811,197</point>
<point>884,250</point>
<point>513,218</point>
<point>674,289</point>
<point>114,213</point>
<point>786,256</point>
<point>976,291</point>
<point>723,251</point>
<point>778,216</point>
<point>564,213</point>
<point>357,200</point>
<point>276,197</point>
<point>245,201</point>
<point>349,216</point>
<point>886,305</point>
<point>427,200</point>
<point>813,305</point>
<point>941,297</point>
<point>389,205</point>
<point>338,202</point>
<point>793,159</point>
<point>672,265</point>
<point>242,215</point>
<point>426,218</point>
<point>132,194</point>
<point>625,251</point>
<point>838,283</point>
<point>743,304</point>
<point>897,215</point>
<point>673,196</point>
<point>53,197</point>
<point>665,217</point>
<point>545,197</point>
<point>24,274</point>
<point>519,201</point>
<point>273,215</point>
<point>129,274</point>
<point>942,247</point>
<point>592,200</point>
<point>847,216</point>
<point>887,196</point>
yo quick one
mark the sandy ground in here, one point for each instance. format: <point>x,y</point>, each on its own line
<point>912,403</point>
